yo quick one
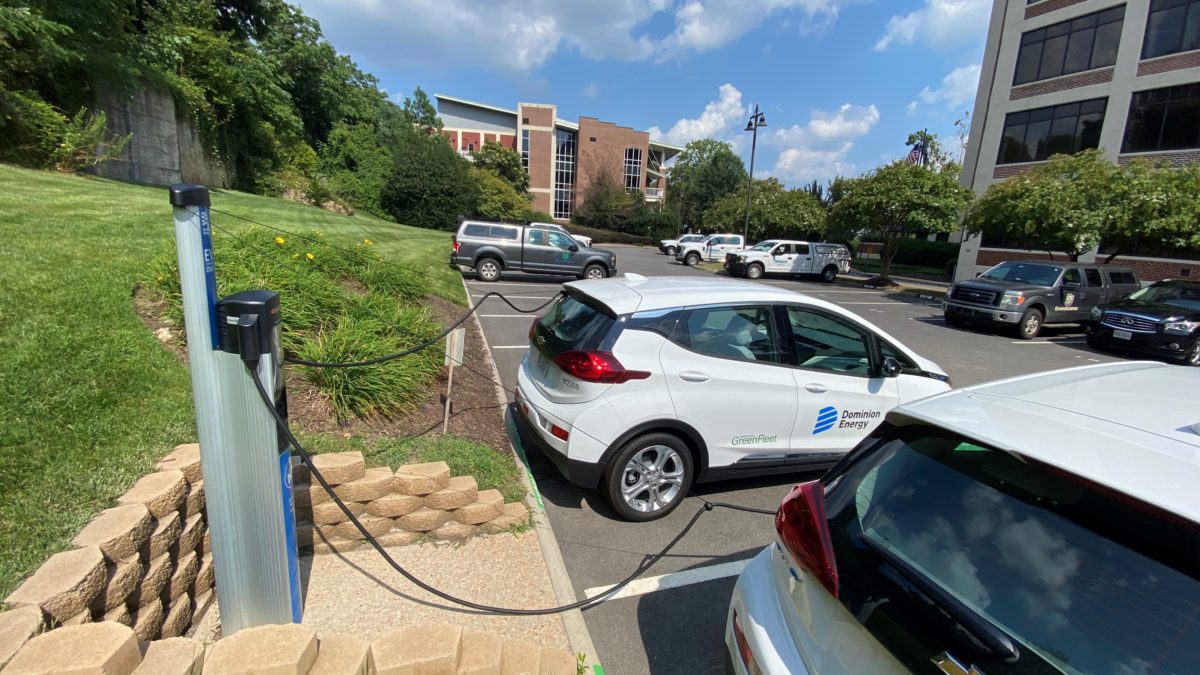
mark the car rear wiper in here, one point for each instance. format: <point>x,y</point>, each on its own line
<point>989,637</point>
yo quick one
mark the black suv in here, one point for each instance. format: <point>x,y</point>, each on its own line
<point>1162,319</point>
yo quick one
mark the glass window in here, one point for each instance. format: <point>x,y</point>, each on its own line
<point>1073,46</point>
<point>740,333</point>
<point>1035,135</point>
<point>1163,119</point>
<point>564,173</point>
<point>525,149</point>
<point>505,232</point>
<point>1172,27</point>
<point>477,231</point>
<point>571,325</point>
<point>1072,276</point>
<point>536,238</point>
<point>633,169</point>
<point>561,240</point>
<point>1093,277</point>
<point>802,249</point>
<point>825,342</point>
<point>783,249</point>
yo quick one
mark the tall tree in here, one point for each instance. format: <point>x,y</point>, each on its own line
<point>897,200</point>
<point>420,109</point>
<point>504,162</point>
<point>704,172</point>
<point>774,212</point>
<point>430,185</point>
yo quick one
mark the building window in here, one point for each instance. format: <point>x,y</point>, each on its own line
<point>1173,26</point>
<point>1035,135</point>
<point>525,149</point>
<point>564,173</point>
<point>633,169</point>
<point>1163,119</point>
<point>1070,47</point>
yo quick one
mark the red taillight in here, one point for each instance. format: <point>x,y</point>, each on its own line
<point>559,432</point>
<point>743,647</point>
<point>455,245</point>
<point>800,522</point>
<point>600,367</point>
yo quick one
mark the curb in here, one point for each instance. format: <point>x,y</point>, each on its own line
<point>573,623</point>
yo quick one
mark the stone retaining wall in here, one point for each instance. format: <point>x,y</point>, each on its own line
<point>430,649</point>
<point>396,507</point>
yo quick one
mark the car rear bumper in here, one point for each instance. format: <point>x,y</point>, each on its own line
<point>760,615</point>
<point>1155,344</point>
<point>531,424</point>
<point>978,313</point>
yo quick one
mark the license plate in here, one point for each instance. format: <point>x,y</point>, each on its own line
<point>543,364</point>
<point>1122,334</point>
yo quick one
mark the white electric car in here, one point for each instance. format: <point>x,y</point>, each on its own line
<point>1042,524</point>
<point>629,388</point>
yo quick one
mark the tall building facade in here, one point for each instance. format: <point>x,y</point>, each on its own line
<point>562,158</point>
<point>1061,76</point>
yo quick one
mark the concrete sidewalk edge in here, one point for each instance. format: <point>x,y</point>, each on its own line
<point>573,622</point>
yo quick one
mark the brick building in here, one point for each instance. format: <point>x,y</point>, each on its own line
<point>1060,76</point>
<point>562,157</point>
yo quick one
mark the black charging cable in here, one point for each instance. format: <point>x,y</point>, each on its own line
<point>582,604</point>
<point>424,345</point>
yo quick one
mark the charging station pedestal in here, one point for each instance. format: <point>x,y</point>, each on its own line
<point>247,473</point>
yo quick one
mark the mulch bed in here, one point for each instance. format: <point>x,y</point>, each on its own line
<point>475,412</point>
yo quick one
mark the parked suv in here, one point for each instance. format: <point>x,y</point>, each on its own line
<point>628,387</point>
<point>671,246</point>
<point>710,249</point>
<point>1029,293</point>
<point>781,256</point>
<point>491,248</point>
<point>1041,524</point>
<point>1162,319</point>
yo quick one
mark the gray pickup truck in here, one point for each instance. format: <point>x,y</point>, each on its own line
<point>1029,293</point>
<point>491,248</point>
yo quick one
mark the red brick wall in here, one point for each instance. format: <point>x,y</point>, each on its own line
<point>1169,63</point>
<point>537,116</point>
<point>469,140</point>
<point>1175,159</point>
<point>1047,6</point>
<point>1010,170</point>
<point>992,256</point>
<point>1091,77</point>
<point>509,141</point>
<point>1147,269</point>
<point>607,152</point>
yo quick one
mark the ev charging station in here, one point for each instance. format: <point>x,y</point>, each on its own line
<point>245,459</point>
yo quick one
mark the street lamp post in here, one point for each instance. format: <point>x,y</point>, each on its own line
<point>757,119</point>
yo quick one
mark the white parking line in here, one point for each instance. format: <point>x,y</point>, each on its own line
<point>510,346</point>
<point>673,580</point>
<point>866,303</point>
<point>506,316</point>
<point>1048,342</point>
<point>485,284</point>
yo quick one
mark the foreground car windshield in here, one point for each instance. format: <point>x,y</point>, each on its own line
<point>1041,275</point>
<point>1182,295</point>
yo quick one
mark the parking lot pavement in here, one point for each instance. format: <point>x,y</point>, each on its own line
<point>675,622</point>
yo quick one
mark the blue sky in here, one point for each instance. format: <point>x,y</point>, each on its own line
<point>842,82</point>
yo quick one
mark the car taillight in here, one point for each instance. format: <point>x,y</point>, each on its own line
<point>593,366</point>
<point>455,245</point>
<point>559,432</point>
<point>800,522</point>
<point>743,647</point>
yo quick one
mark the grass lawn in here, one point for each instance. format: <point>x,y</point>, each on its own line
<point>88,398</point>
<point>870,266</point>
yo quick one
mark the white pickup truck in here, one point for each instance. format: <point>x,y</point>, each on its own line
<point>711,249</point>
<point>782,256</point>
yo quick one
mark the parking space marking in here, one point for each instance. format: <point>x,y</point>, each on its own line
<point>1048,342</point>
<point>485,284</point>
<point>505,316</point>
<point>926,318</point>
<point>510,346</point>
<point>868,303</point>
<point>673,580</point>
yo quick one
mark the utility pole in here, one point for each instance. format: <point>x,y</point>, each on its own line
<point>757,119</point>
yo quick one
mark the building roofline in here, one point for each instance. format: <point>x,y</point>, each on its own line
<point>475,104</point>
<point>666,146</point>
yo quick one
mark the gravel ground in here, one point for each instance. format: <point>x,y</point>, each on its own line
<point>358,594</point>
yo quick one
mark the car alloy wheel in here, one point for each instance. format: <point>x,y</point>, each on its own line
<point>594,272</point>
<point>1193,355</point>
<point>671,251</point>
<point>754,271</point>
<point>652,479</point>
<point>488,270</point>
<point>691,260</point>
<point>829,274</point>
<point>1030,325</point>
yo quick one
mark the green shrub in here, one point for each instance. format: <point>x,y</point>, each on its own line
<point>86,142</point>
<point>537,217</point>
<point>925,253</point>
<point>429,185</point>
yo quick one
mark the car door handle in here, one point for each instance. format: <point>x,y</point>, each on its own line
<point>816,388</point>
<point>693,376</point>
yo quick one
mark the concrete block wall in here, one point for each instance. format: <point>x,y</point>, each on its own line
<point>431,649</point>
<point>145,563</point>
<point>396,507</point>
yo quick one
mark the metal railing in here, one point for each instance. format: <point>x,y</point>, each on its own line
<point>654,194</point>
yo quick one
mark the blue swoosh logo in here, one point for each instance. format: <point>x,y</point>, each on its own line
<point>826,418</point>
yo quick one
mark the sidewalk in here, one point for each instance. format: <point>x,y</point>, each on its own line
<point>922,285</point>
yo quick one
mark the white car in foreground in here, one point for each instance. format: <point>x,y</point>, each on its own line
<point>1042,524</point>
<point>643,387</point>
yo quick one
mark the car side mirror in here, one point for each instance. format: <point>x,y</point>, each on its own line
<point>891,367</point>
<point>573,248</point>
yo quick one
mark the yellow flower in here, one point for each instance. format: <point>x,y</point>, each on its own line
<point>368,242</point>
<point>308,255</point>
<point>279,240</point>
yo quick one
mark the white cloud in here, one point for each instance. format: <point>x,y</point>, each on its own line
<point>802,164</point>
<point>958,88</point>
<point>719,119</point>
<point>848,121</point>
<point>520,35</point>
<point>940,24</point>
<point>592,90</point>
<point>819,149</point>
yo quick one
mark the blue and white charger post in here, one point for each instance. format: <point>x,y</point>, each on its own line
<point>247,473</point>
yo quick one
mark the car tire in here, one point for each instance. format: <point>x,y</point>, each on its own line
<point>1193,355</point>
<point>1030,324</point>
<point>594,271</point>
<point>487,269</point>
<point>754,271</point>
<point>649,477</point>
<point>829,274</point>
<point>691,259</point>
<point>952,319</point>
<point>671,251</point>
<point>1095,344</point>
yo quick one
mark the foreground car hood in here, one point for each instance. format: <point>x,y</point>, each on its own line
<point>1152,309</point>
<point>1000,285</point>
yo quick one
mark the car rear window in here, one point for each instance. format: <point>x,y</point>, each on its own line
<point>1122,278</point>
<point>490,231</point>
<point>1084,579</point>
<point>572,324</point>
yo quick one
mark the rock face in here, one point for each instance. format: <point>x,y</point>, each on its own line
<point>161,492</point>
<point>65,585</point>
<point>394,505</point>
<point>119,532</point>
<point>147,624</point>
<point>185,458</point>
<point>16,628</point>
<point>271,650</point>
<point>163,536</point>
<point>121,580</point>
<point>424,648</point>
<point>423,520</point>
<point>158,574</point>
<point>340,467</point>
<point>422,479</point>
<point>343,655</point>
<point>92,648</point>
<point>176,656</point>
<point>486,506</point>
<point>459,492</point>
<point>374,484</point>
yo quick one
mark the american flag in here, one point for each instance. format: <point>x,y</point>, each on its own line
<point>916,155</point>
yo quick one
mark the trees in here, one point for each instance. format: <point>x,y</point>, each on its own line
<point>897,200</point>
<point>429,184</point>
<point>497,199</point>
<point>505,163</point>
<point>420,110</point>
<point>774,212</point>
<point>604,203</point>
<point>704,172</point>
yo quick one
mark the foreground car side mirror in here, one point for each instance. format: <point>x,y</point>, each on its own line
<point>891,367</point>
<point>573,248</point>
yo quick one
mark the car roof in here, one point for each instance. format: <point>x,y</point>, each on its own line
<point>625,295</point>
<point>1131,426</point>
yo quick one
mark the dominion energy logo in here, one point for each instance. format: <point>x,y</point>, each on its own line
<point>828,418</point>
